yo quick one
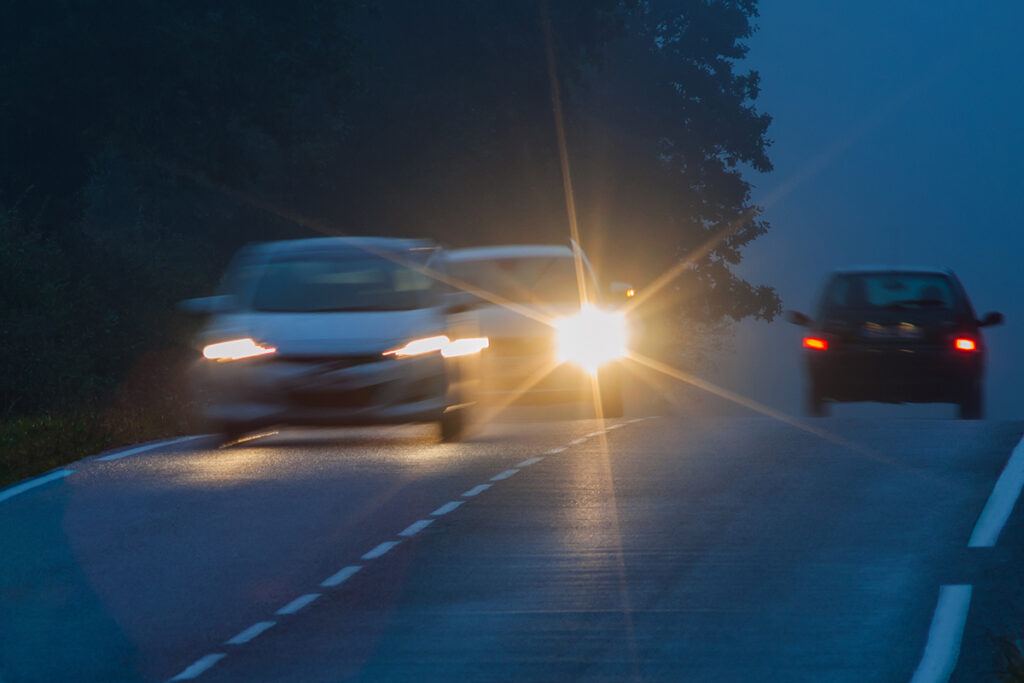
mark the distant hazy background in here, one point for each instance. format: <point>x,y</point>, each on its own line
<point>898,138</point>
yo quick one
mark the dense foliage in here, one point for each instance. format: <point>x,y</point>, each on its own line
<point>144,141</point>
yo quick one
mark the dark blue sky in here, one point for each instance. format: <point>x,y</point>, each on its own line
<point>897,139</point>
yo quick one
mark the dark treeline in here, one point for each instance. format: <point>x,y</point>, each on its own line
<point>143,141</point>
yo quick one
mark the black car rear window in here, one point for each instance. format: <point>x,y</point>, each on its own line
<point>894,291</point>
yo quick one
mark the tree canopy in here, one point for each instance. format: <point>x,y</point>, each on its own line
<point>145,141</point>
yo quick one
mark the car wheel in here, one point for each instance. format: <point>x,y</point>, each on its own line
<point>816,405</point>
<point>228,432</point>
<point>453,425</point>
<point>971,404</point>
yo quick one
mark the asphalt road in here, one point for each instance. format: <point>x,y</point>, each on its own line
<point>670,548</point>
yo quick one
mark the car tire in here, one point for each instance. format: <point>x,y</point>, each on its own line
<point>229,432</point>
<point>970,404</point>
<point>453,425</point>
<point>816,405</point>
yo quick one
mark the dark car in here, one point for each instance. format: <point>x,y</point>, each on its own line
<point>895,335</point>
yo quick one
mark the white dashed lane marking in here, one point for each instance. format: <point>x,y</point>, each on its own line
<point>251,632</point>
<point>341,577</point>
<point>196,669</point>
<point>476,490</point>
<point>297,604</point>
<point>380,550</point>
<point>204,663</point>
<point>446,508</point>
<point>416,527</point>
<point>1000,502</point>
<point>944,636</point>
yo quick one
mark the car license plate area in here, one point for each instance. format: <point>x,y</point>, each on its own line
<point>900,331</point>
<point>351,398</point>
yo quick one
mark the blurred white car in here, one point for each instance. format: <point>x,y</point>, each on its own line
<point>328,331</point>
<point>550,339</point>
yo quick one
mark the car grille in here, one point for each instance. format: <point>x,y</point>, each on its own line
<point>328,363</point>
<point>353,398</point>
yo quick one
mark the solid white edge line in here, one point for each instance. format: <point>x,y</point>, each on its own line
<point>944,635</point>
<point>577,442</point>
<point>1000,502</point>
<point>149,447</point>
<point>297,604</point>
<point>416,527</point>
<point>251,632</point>
<point>504,475</point>
<point>340,577</point>
<point>446,508</point>
<point>555,451</point>
<point>32,483</point>
<point>531,461</point>
<point>381,549</point>
<point>196,669</point>
<point>476,490</point>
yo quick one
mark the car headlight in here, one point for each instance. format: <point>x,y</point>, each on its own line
<point>449,348</point>
<point>236,349</point>
<point>418,347</point>
<point>591,338</point>
<point>465,347</point>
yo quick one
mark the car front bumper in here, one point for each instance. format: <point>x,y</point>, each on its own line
<point>338,390</point>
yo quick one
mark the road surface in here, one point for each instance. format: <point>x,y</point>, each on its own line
<point>663,549</point>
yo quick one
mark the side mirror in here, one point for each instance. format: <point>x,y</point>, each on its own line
<point>797,318</point>
<point>991,319</point>
<point>207,305</point>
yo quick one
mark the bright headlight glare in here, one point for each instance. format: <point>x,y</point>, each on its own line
<point>465,347</point>
<point>236,349</point>
<point>418,347</point>
<point>448,348</point>
<point>592,338</point>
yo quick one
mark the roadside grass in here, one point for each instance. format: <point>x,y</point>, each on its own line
<point>32,445</point>
<point>153,402</point>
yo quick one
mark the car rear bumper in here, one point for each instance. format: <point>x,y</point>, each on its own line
<point>894,375</point>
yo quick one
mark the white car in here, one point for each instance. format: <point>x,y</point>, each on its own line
<point>328,331</point>
<point>550,340</point>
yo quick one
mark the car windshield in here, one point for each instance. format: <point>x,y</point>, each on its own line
<point>531,280</point>
<point>346,282</point>
<point>895,291</point>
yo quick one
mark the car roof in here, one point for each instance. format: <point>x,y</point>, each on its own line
<point>508,251</point>
<point>929,270</point>
<point>317,244</point>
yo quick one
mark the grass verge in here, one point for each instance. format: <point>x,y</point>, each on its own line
<point>153,402</point>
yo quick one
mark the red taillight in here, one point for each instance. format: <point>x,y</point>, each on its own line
<point>815,343</point>
<point>965,344</point>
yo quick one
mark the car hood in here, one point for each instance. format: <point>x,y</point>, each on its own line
<point>329,333</point>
